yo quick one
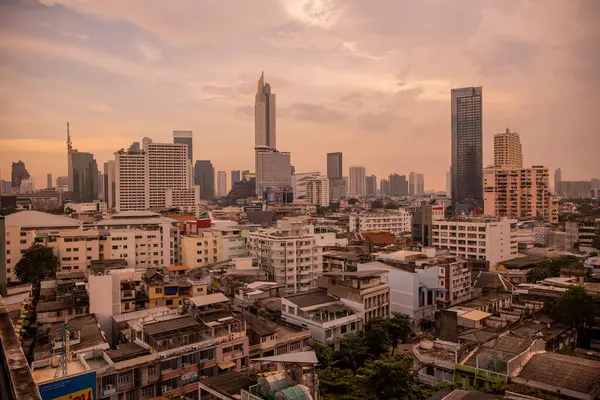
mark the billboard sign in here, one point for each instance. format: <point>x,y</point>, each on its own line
<point>74,387</point>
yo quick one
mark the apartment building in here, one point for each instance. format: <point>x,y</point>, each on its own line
<point>130,188</point>
<point>575,189</point>
<point>422,221</point>
<point>327,317</point>
<point>288,253</point>
<point>508,152</point>
<point>455,281</point>
<point>485,239</point>
<point>202,248</point>
<point>149,229</point>
<point>367,292</point>
<point>233,242</point>
<point>22,230</point>
<point>317,191</point>
<point>163,287</point>
<point>397,222</point>
<point>268,338</point>
<point>519,193</point>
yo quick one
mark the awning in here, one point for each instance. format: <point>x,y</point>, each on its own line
<point>226,364</point>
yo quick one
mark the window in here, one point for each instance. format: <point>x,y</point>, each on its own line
<point>158,290</point>
<point>152,370</point>
<point>23,241</point>
<point>353,326</point>
<point>344,329</point>
<point>124,378</point>
<point>292,310</point>
<point>148,391</point>
<point>7,252</point>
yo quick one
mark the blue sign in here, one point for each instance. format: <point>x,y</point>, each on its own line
<point>75,387</point>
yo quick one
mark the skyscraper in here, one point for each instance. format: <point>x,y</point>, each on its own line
<point>84,172</point>
<point>221,183</point>
<point>109,184</point>
<point>412,184</point>
<point>384,187</point>
<point>18,173</point>
<point>49,181</point>
<point>508,152</point>
<point>420,184</point>
<point>273,171</point>
<point>264,115</point>
<point>235,176</point>
<point>334,165</point>
<point>204,173</point>
<point>358,181</point>
<point>130,181</point>
<point>371,185</point>
<point>398,185</point>
<point>557,180</point>
<point>467,147</point>
<point>185,137</point>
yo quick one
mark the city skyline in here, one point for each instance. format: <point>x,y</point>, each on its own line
<point>321,62</point>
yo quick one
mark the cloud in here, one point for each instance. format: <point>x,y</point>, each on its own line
<point>354,99</point>
<point>100,108</point>
<point>149,52</point>
<point>320,13</point>
<point>501,56</point>
<point>314,113</point>
<point>79,36</point>
<point>378,121</point>
<point>246,111</point>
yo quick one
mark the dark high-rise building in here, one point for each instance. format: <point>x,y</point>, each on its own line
<point>49,181</point>
<point>204,176</point>
<point>398,185</point>
<point>134,147</point>
<point>85,176</point>
<point>236,176</point>
<point>185,137</point>
<point>18,173</point>
<point>384,187</point>
<point>264,116</point>
<point>334,165</point>
<point>371,185</point>
<point>467,148</point>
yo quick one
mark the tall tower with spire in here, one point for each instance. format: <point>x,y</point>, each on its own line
<point>264,115</point>
<point>69,159</point>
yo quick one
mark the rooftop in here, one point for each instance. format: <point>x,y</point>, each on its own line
<point>312,298</point>
<point>342,254</point>
<point>358,274</point>
<point>522,262</point>
<point>37,219</point>
<point>87,327</point>
<point>208,299</point>
<point>566,372</point>
<point>230,383</point>
<point>172,325</point>
<point>126,351</point>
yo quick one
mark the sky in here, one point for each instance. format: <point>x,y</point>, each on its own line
<point>371,79</point>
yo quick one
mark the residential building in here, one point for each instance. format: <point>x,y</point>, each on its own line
<point>130,181</point>
<point>384,187</point>
<point>299,184</point>
<point>486,239</point>
<point>334,165</point>
<point>371,185</point>
<point>221,183</point>
<point>204,176</point>
<point>233,242</point>
<point>422,223</point>
<point>202,248</point>
<point>22,229</point>
<point>288,254</point>
<point>49,181</point>
<point>338,261</point>
<point>186,138</point>
<point>519,193</point>
<point>413,282</point>
<point>327,317</point>
<point>18,173</point>
<point>367,292</point>
<point>455,281</point>
<point>152,228</point>
<point>264,116</point>
<point>273,171</point>
<point>110,188</point>
<point>338,188</point>
<point>89,207</point>
<point>396,221</point>
<point>416,184</point>
<point>508,153</point>
<point>268,338</point>
<point>358,181</point>
<point>317,191</point>
<point>583,232</point>
<point>575,189</point>
<point>467,147</point>
<point>398,185</point>
<point>85,176</point>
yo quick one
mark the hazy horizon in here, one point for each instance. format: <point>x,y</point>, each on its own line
<point>370,81</point>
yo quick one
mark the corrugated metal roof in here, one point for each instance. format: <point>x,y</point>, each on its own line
<point>209,299</point>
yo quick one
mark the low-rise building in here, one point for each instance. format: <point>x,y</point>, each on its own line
<point>327,317</point>
<point>338,261</point>
<point>269,338</point>
<point>202,248</point>
<point>397,222</point>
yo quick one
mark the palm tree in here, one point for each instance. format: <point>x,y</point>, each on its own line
<point>353,353</point>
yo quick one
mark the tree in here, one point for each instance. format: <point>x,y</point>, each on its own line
<point>392,378</point>
<point>576,307</point>
<point>334,206</point>
<point>551,268</point>
<point>399,329</point>
<point>37,263</point>
<point>377,337</point>
<point>391,206</point>
<point>352,201</point>
<point>352,354</point>
<point>376,204</point>
<point>343,384</point>
<point>324,354</point>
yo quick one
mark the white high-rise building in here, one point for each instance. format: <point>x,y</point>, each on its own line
<point>508,152</point>
<point>299,183</point>
<point>151,178</point>
<point>264,115</point>
<point>221,183</point>
<point>416,184</point>
<point>317,190</point>
<point>273,171</point>
<point>288,254</point>
<point>358,181</point>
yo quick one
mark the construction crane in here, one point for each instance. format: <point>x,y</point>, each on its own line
<point>65,354</point>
